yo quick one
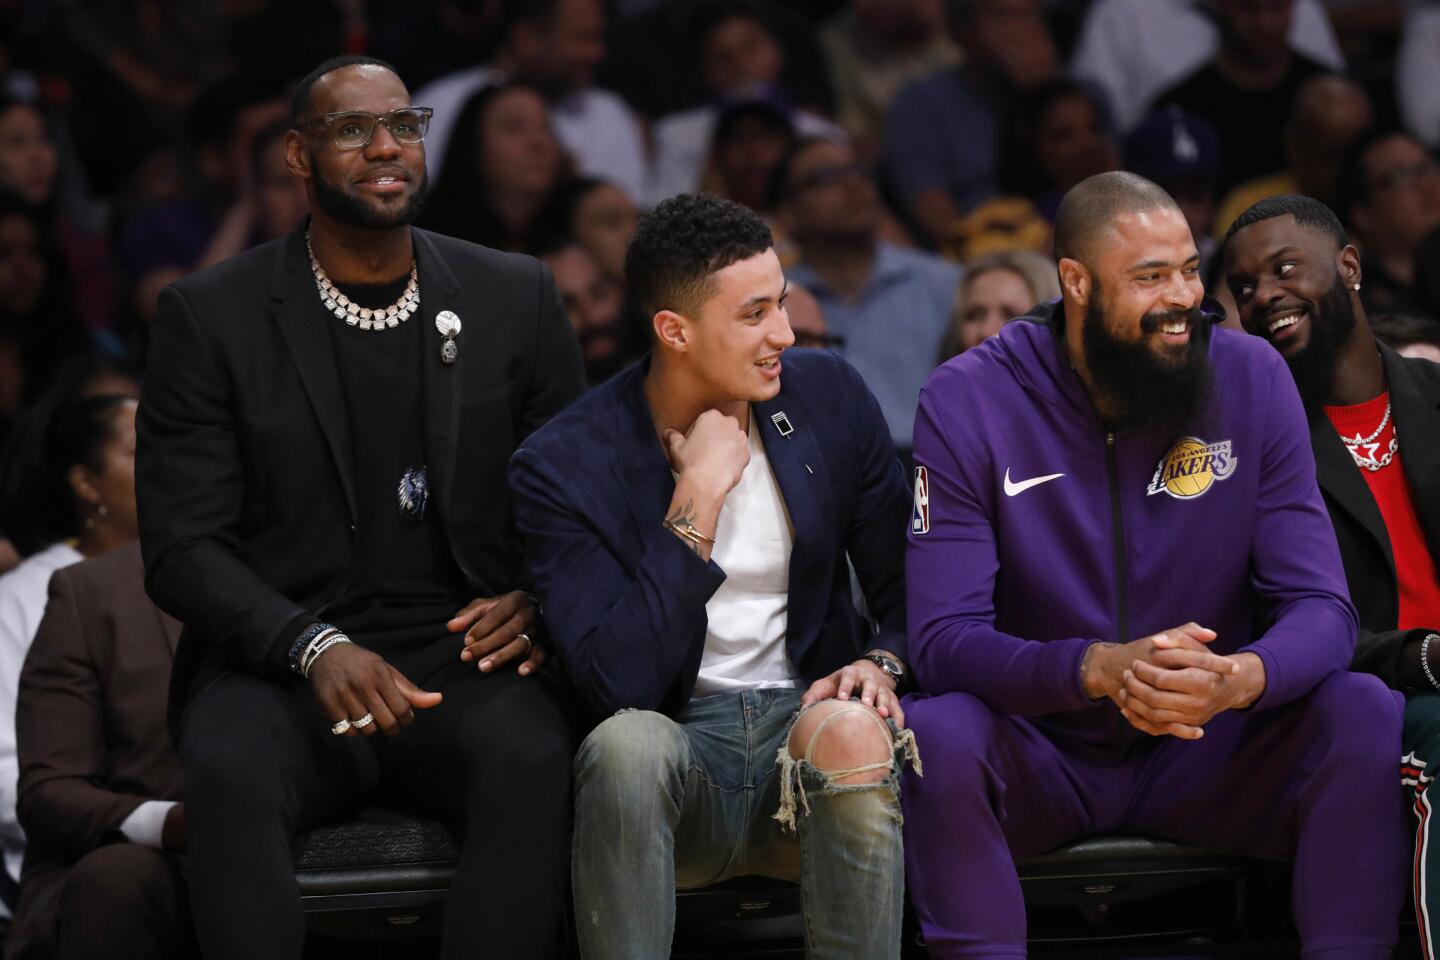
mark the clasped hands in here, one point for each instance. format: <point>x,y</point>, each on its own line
<point>351,681</point>
<point>1170,682</point>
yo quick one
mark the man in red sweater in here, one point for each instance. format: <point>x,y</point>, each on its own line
<point>1375,428</point>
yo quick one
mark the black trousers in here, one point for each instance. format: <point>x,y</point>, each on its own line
<point>493,760</point>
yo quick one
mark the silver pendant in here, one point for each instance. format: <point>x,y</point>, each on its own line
<point>449,326</point>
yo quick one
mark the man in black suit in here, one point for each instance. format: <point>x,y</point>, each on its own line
<point>1374,425</point>
<point>324,430</point>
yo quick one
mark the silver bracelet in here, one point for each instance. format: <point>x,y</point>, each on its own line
<point>317,647</point>
<point>1425,658</point>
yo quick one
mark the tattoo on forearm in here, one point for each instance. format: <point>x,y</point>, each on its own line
<point>681,522</point>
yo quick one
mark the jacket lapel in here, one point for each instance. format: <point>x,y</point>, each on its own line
<point>799,471</point>
<point>639,463</point>
<point>294,308</point>
<point>440,291</point>
<point>1415,405</point>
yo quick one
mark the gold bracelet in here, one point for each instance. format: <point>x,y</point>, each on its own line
<point>688,531</point>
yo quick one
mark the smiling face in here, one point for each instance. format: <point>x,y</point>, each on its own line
<point>1148,273</point>
<point>1292,286</point>
<point>378,186</point>
<point>732,345</point>
<point>1133,316</point>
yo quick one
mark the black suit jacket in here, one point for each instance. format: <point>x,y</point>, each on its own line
<point>1364,543</point>
<point>244,465</point>
<point>625,598</point>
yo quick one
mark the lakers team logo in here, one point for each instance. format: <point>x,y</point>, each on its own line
<point>920,515</point>
<point>1191,468</point>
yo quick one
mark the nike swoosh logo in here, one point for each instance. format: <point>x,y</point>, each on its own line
<point>1011,489</point>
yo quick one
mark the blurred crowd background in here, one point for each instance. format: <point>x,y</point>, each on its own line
<point>908,153</point>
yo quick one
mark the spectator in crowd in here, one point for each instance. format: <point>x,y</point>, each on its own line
<point>749,141</point>
<point>740,60</point>
<point>216,222</point>
<point>1123,401</point>
<point>1053,137</point>
<point>942,133</point>
<point>892,305</point>
<point>1331,111</point>
<point>1246,92</point>
<point>554,46</point>
<point>1408,335</point>
<point>278,196</point>
<point>1390,200</point>
<point>1134,50</point>
<point>998,288</point>
<point>69,496</point>
<point>875,48</point>
<point>1373,419</point>
<point>717,638</point>
<point>502,175</point>
<point>37,317</point>
<point>1181,153</point>
<point>1417,73</point>
<point>602,219</point>
<point>98,765</point>
<point>595,304</point>
<point>807,320</point>
<point>30,169</point>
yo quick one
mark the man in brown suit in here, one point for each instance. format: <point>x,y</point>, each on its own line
<point>99,785</point>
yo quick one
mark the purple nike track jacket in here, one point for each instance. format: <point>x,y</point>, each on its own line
<point>1037,531</point>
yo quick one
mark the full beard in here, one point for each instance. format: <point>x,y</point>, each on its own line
<point>1331,322</point>
<point>1143,390</point>
<point>357,212</point>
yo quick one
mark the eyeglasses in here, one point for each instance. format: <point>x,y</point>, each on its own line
<point>351,130</point>
<point>1403,175</point>
<point>828,176</point>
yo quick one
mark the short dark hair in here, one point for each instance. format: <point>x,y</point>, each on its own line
<point>1092,203</point>
<point>301,104</point>
<point>682,243</point>
<point>37,505</point>
<point>1398,330</point>
<point>1307,211</point>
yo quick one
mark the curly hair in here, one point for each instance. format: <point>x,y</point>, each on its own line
<point>1307,211</point>
<point>680,245</point>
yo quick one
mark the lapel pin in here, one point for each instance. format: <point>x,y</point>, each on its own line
<point>782,423</point>
<point>449,326</point>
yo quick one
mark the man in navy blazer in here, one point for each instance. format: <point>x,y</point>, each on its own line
<point>691,527</point>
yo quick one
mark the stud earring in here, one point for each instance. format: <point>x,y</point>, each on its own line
<point>1356,287</point>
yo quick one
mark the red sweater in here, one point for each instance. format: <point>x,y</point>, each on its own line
<point>1414,567</point>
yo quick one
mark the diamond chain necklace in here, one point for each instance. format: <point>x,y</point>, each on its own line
<point>379,318</point>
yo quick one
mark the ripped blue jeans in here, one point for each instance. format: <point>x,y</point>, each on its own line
<point>665,803</point>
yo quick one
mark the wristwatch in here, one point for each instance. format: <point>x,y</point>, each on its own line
<point>890,666</point>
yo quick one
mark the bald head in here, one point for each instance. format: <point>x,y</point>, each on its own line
<point>1094,203</point>
<point>1329,109</point>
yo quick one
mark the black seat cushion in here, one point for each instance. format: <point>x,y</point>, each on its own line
<point>375,837</point>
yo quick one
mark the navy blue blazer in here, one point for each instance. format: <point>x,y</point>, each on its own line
<point>624,598</point>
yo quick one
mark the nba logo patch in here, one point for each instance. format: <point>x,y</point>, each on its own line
<point>920,518</point>
<point>1191,468</point>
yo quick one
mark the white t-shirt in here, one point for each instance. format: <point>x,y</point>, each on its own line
<point>745,640</point>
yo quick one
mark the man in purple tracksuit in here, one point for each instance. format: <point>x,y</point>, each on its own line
<point>1085,481</point>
